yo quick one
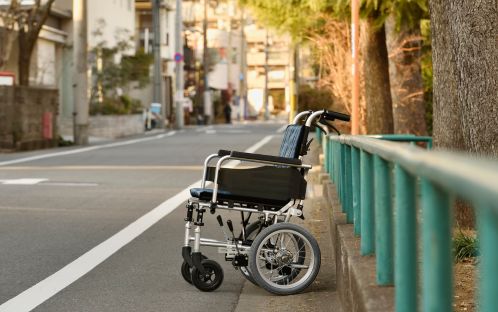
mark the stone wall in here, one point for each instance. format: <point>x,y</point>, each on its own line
<point>28,118</point>
<point>107,126</point>
<point>116,126</point>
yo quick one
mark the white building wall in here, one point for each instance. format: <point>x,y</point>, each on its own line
<point>117,15</point>
<point>45,63</point>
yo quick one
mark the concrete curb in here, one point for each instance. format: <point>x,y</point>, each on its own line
<point>356,275</point>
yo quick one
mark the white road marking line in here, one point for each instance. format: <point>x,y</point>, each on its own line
<point>105,168</point>
<point>45,289</point>
<point>84,149</point>
<point>83,184</point>
<point>282,129</point>
<point>24,181</point>
<point>203,128</point>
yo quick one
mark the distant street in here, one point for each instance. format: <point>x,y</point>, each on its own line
<point>62,204</point>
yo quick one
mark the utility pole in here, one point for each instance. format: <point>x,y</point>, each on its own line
<point>267,47</point>
<point>242,76</point>
<point>355,16</point>
<point>205,60</point>
<point>229,50</point>
<point>80,83</point>
<point>179,65</point>
<point>157,84</point>
<point>294,81</point>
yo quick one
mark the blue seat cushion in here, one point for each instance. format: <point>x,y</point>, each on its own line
<point>292,141</point>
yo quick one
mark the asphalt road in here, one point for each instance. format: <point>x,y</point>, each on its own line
<point>66,213</point>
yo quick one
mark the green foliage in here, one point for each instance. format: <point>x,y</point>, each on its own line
<point>136,68</point>
<point>122,105</point>
<point>295,17</point>
<point>61,142</point>
<point>465,246</point>
<point>406,12</point>
<point>426,66</point>
<point>114,71</point>
<point>409,12</point>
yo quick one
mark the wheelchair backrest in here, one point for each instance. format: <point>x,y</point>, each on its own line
<point>293,141</point>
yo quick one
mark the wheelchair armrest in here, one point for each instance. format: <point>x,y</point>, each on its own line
<point>266,158</point>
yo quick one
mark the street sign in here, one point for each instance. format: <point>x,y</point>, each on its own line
<point>178,57</point>
<point>7,79</point>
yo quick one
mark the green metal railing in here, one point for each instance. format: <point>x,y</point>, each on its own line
<point>380,184</point>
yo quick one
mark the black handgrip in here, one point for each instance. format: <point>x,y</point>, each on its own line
<point>220,221</point>
<point>230,225</point>
<point>331,115</point>
<point>222,153</point>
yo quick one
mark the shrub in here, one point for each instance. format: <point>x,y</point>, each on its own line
<point>465,246</point>
<point>315,99</point>
<point>122,105</point>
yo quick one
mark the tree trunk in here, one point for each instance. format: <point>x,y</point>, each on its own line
<point>7,37</point>
<point>376,74</point>
<point>407,90</point>
<point>24,62</point>
<point>465,63</point>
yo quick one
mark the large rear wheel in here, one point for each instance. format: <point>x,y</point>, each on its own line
<point>284,259</point>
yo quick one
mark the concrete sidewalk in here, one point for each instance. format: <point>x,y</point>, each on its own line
<point>322,294</point>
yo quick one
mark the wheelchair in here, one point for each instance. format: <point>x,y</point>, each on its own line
<point>279,256</point>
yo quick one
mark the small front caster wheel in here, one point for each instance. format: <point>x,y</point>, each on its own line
<point>211,279</point>
<point>187,270</point>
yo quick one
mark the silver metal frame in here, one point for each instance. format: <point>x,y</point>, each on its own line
<point>287,211</point>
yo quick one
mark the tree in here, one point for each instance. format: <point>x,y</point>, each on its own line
<point>8,16</point>
<point>304,18</point>
<point>465,63</point>
<point>404,46</point>
<point>29,26</point>
<point>379,111</point>
<point>114,73</point>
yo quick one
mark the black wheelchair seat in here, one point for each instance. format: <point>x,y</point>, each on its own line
<point>239,200</point>
<point>265,187</point>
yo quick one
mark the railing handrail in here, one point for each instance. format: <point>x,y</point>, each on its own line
<point>467,175</point>
<point>399,199</point>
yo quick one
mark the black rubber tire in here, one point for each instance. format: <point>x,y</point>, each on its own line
<point>277,288</point>
<point>186,270</point>
<point>245,271</point>
<point>210,281</point>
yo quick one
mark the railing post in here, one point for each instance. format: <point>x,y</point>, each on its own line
<point>342,178</point>
<point>437,260</point>
<point>383,222</point>
<point>405,236</point>
<point>348,200</point>
<point>367,245</point>
<point>330,145</point>
<point>355,166</point>
<point>325,148</point>
<point>487,225</point>
<point>337,157</point>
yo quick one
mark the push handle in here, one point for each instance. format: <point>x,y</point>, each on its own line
<point>230,225</point>
<point>220,220</point>
<point>331,115</point>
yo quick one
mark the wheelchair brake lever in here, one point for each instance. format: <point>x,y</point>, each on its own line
<point>230,227</point>
<point>220,221</point>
